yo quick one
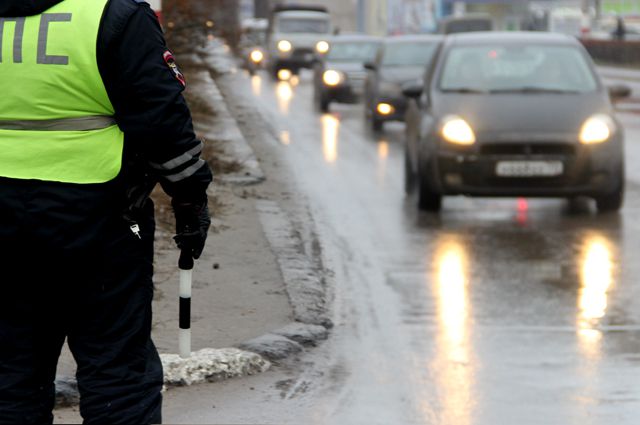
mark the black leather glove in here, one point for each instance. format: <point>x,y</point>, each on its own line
<point>192,226</point>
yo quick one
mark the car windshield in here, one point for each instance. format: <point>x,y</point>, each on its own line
<point>353,51</point>
<point>517,68</point>
<point>408,54</point>
<point>254,37</point>
<point>306,26</point>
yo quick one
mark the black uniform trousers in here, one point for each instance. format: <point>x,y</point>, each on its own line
<point>89,281</point>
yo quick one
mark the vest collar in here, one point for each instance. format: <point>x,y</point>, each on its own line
<point>13,8</point>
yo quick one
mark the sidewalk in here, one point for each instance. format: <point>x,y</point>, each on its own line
<point>247,285</point>
<point>630,77</point>
<point>620,73</point>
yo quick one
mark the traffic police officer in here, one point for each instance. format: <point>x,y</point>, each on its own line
<point>91,118</point>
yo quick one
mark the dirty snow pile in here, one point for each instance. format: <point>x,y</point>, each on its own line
<point>211,365</point>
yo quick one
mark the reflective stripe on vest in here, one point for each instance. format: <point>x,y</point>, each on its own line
<point>56,119</point>
<point>69,124</point>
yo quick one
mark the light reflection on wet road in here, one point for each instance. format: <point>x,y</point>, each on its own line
<point>497,311</point>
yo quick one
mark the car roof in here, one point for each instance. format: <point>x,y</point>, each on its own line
<point>413,38</point>
<point>302,14</point>
<point>299,7</point>
<point>524,37</point>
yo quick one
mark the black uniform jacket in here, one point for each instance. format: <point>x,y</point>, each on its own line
<point>146,92</point>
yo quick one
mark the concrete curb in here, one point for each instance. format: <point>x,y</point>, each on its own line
<point>303,279</point>
<point>304,283</point>
<point>206,365</point>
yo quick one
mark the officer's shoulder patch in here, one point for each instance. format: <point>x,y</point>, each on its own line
<point>173,66</point>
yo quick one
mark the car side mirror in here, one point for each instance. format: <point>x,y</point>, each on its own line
<point>413,89</point>
<point>370,66</point>
<point>619,91</point>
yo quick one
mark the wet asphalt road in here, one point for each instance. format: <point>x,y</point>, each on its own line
<point>496,311</point>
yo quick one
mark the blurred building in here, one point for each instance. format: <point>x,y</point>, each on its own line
<point>373,17</point>
<point>388,17</point>
<point>508,15</point>
<point>412,16</point>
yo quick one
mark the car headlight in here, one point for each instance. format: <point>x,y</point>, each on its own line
<point>332,77</point>
<point>285,74</point>
<point>596,129</point>
<point>285,46</point>
<point>456,130</point>
<point>385,108</point>
<point>256,56</point>
<point>322,47</point>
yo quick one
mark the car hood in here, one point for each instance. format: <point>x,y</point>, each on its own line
<point>401,74</point>
<point>510,117</point>
<point>12,8</point>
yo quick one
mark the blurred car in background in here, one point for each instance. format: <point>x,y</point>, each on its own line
<point>467,23</point>
<point>252,44</point>
<point>513,114</point>
<point>399,60</point>
<point>340,76</point>
<point>297,37</point>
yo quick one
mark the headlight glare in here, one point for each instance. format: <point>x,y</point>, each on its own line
<point>385,109</point>
<point>456,130</point>
<point>257,56</point>
<point>322,47</point>
<point>285,46</point>
<point>596,129</point>
<point>332,77</point>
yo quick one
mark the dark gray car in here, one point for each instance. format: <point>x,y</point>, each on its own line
<point>399,60</point>
<point>340,76</point>
<point>513,114</point>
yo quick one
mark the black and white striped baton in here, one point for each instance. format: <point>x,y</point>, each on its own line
<point>185,264</point>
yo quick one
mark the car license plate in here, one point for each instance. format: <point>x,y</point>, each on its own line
<point>529,168</point>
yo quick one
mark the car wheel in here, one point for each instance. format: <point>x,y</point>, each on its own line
<point>611,202</point>
<point>428,199</point>
<point>409,175</point>
<point>323,104</point>
<point>274,73</point>
<point>376,123</point>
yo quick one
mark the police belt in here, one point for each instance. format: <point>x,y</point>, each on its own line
<point>64,124</point>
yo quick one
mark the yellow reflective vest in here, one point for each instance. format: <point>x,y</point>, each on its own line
<point>56,119</point>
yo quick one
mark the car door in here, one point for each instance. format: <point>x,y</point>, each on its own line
<point>422,115</point>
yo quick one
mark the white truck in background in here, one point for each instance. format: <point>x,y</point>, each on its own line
<point>297,37</point>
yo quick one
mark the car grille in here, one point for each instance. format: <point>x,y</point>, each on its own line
<point>528,149</point>
<point>300,53</point>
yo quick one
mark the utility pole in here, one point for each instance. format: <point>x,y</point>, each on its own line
<point>261,8</point>
<point>586,18</point>
<point>361,16</point>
